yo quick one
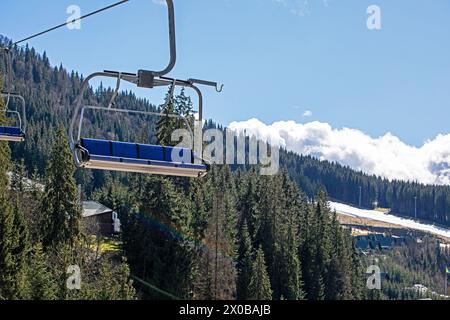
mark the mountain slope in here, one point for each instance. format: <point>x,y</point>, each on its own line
<point>389,218</point>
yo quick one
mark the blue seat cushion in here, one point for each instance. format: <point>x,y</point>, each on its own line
<point>98,147</point>
<point>11,131</point>
<point>150,152</point>
<point>124,150</point>
<point>116,151</point>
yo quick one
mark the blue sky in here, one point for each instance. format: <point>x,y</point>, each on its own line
<point>277,59</point>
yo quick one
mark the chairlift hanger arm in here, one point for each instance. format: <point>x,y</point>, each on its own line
<point>172,40</point>
<point>172,36</point>
<point>142,74</point>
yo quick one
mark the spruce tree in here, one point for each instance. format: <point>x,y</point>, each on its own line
<point>6,221</point>
<point>7,231</point>
<point>60,207</point>
<point>291,267</point>
<point>13,235</point>
<point>260,283</point>
<point>184,107</point>
<point>310,253</point>
<point>108,282</point>
<point>152,237</point>
<point>19,174</point>
<point>244,263</point>
<point>220,236</point>
<point>167,123</point>
<point>41,280</point>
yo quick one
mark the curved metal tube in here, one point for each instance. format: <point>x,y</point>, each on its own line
<point>219,88</point>
<point>172,41</point>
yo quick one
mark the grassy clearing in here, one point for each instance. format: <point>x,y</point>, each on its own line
<point>107,245</point>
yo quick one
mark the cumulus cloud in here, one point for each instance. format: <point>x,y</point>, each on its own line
<point>386,156</point>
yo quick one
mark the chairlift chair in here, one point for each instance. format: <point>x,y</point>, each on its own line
<point>13,133</point>
<point>134,157</point>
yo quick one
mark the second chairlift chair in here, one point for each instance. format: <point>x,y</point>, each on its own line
<point>11,133</point>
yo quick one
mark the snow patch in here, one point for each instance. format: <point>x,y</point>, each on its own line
<point>389,218</point>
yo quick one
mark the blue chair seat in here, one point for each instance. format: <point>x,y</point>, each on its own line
<point>140,154</point>
<point>11,131</point>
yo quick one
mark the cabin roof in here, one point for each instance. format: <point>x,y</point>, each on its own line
<point>93,208</point>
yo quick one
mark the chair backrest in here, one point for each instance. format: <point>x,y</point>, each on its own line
<point>137,151</point>
<point>11,131</point>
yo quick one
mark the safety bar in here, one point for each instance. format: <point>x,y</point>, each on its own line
<point>147,113</point>
<point>16,113</point>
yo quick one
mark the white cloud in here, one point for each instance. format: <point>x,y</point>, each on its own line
<point>386,156</point>
<point>307,113</point>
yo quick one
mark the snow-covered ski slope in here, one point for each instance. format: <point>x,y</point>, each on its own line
<point>389,218</point>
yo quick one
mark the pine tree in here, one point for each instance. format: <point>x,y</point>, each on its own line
<point>310,252</point>
<point>18,176</point>
<point>7,236</point>
<point>36,186</point>
<point>167,124</point>
<point>335,276</point>
<point>220,235</point>
<point>249,203</point>
<point>291,267</point>
<point>60,207</point>
<point>13,236</point>
<point>183,104</point>
<point>154,237</point>
<point>260,283</point>
<point>111,282</point>
<point>41,281</point>
<point>22,248</point>
<point>245,263</point>
<point>184,107</point>
<point>6,218</point>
